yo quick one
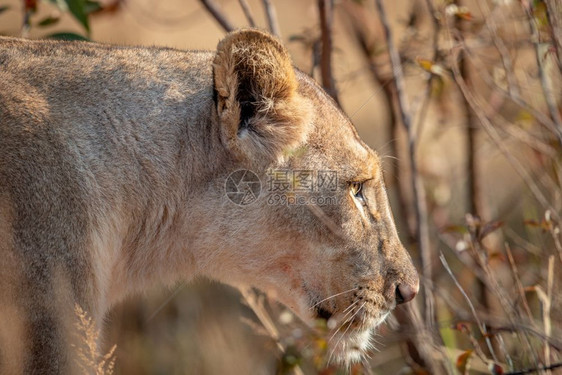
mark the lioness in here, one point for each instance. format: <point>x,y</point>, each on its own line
<point>123,167</point>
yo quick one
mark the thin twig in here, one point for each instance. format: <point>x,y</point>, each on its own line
<point>524,135</point>
<point>474,196</point>
<point>554,16</point>
<point>499,325</point>
<point>386,84</point>
<point>492,132</point>
<point>537,370</point>
<point>271,15</point>
<point>218,14</point>
<point>537,115</point>
<point>546,83</point>
<point>247,12</point>
<point>492,27</point>
<point>542,118</point>
<point>546,308</point>
<point>325,11</point>
<point>481,326</point>
<point>486,277</point>
<point>256,304</point>
<point>492,283</point>
<point>554,230</point>
<point>520,289</point>
<point>422,232</point>
<point>430,76</point>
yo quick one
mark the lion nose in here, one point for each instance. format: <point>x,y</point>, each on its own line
<point>406,292</point>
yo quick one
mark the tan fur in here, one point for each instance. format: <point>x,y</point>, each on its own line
<point>263,66</point>
<point>10,313</point>
<point>113,164</point>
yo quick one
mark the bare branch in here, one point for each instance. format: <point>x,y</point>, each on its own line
<point>481,326</point>
<point>271,15</point>
<point>475,205</point>
<point>540,117</point>
<point>536,370</point>
<point>325,10</point>
<point>247,12</point>
<point>219,16</point>
<point>520,289</point>
<point>383,79</point>
<point>546,83</point>
<point>474,197</point>
<point>430,77</point>
<point>547,305</point>
<point>257,305</point>
<point>554,16</point>
<point>492,132</point>
<point>422,232</point>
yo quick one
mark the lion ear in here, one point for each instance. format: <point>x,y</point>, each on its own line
<point>260,113</point>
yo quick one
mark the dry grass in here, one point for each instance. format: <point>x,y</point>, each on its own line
<point>89,359</point>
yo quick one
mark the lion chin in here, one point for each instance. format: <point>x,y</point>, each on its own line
<point>348,347</point>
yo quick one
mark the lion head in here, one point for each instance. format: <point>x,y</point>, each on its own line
<point>303,213</point>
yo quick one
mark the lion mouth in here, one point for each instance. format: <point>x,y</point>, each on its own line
<point>350,331</point>
<point>322,313</point>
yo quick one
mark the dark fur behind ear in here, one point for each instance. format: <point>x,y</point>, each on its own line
<point>260,112</point>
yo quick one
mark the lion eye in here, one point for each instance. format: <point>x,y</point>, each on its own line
<point>357,190</point>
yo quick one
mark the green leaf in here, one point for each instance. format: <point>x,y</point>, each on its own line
<point>92,6</point>
<point>4,8</point>
<point>455,229</point>
<point>67,36</point>
<point>78,10</point>
<point>48,21</point>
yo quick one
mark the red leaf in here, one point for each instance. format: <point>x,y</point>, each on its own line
<point>463,362</point>
<point>496,369</point>
<point>30,5</point>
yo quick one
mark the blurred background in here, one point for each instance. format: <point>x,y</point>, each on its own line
<point>470,132</point>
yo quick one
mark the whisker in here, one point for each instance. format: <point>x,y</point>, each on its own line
<point>376,342</point>
<point>348,320</point>
<point>350,306</point>
<point>365,364</point>
<point>345,332</point>
<point>335,295</point>
<point>389,157</point>
<point>335,347</point>
<point>354,315</point>
<point>344,320</point>
<point>349,310</point>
